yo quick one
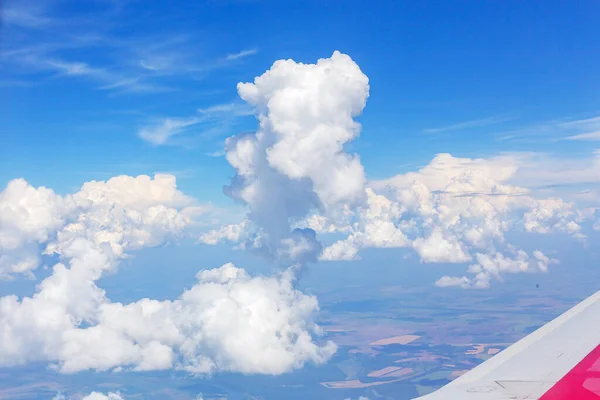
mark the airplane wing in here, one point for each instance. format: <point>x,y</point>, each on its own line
<point>559,361</point>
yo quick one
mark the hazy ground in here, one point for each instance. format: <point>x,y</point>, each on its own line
<point>398,336</point>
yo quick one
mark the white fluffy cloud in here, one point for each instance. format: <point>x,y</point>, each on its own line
<point>306,116</point>
<point>121,212</point>
<point>441,246</point>
<point>227,321</point>
<point>233,233</point>
<point>490,266</point>
<point>455,210</point>
<point>374,227</point>
<point>102,396</point>
<point>28,217</point>
<point>296,162</point>
<point>553,215</point>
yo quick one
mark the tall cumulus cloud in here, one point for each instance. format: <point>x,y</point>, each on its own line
<point>295,162</point>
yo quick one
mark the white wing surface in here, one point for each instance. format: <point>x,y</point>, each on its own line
<point>559,361</point>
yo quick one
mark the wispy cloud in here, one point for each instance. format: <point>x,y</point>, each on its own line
<point>42,41</point>
<point>586,122</point>
<point>147,65</point>
<point>218,153</point>
<point>589,128</point>
<point>161,131</point>
<point>25,14</point>
<point>567,175</point>
<point>241,54</point>
<point>210,122</point>
<point>476,123</point>
<point>134,85</point>
<point>114,81</point>
<point>233,109</point>
<point>591,136</point>
<point>73,68</point>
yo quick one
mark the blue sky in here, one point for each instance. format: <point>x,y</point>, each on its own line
<point>477,167</point>
<point>81,79</point>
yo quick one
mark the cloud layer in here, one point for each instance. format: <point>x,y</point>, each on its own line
<point>296,180</point>
<point>458,210</point>
<point>454,210</point>
<point>227,321</point>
